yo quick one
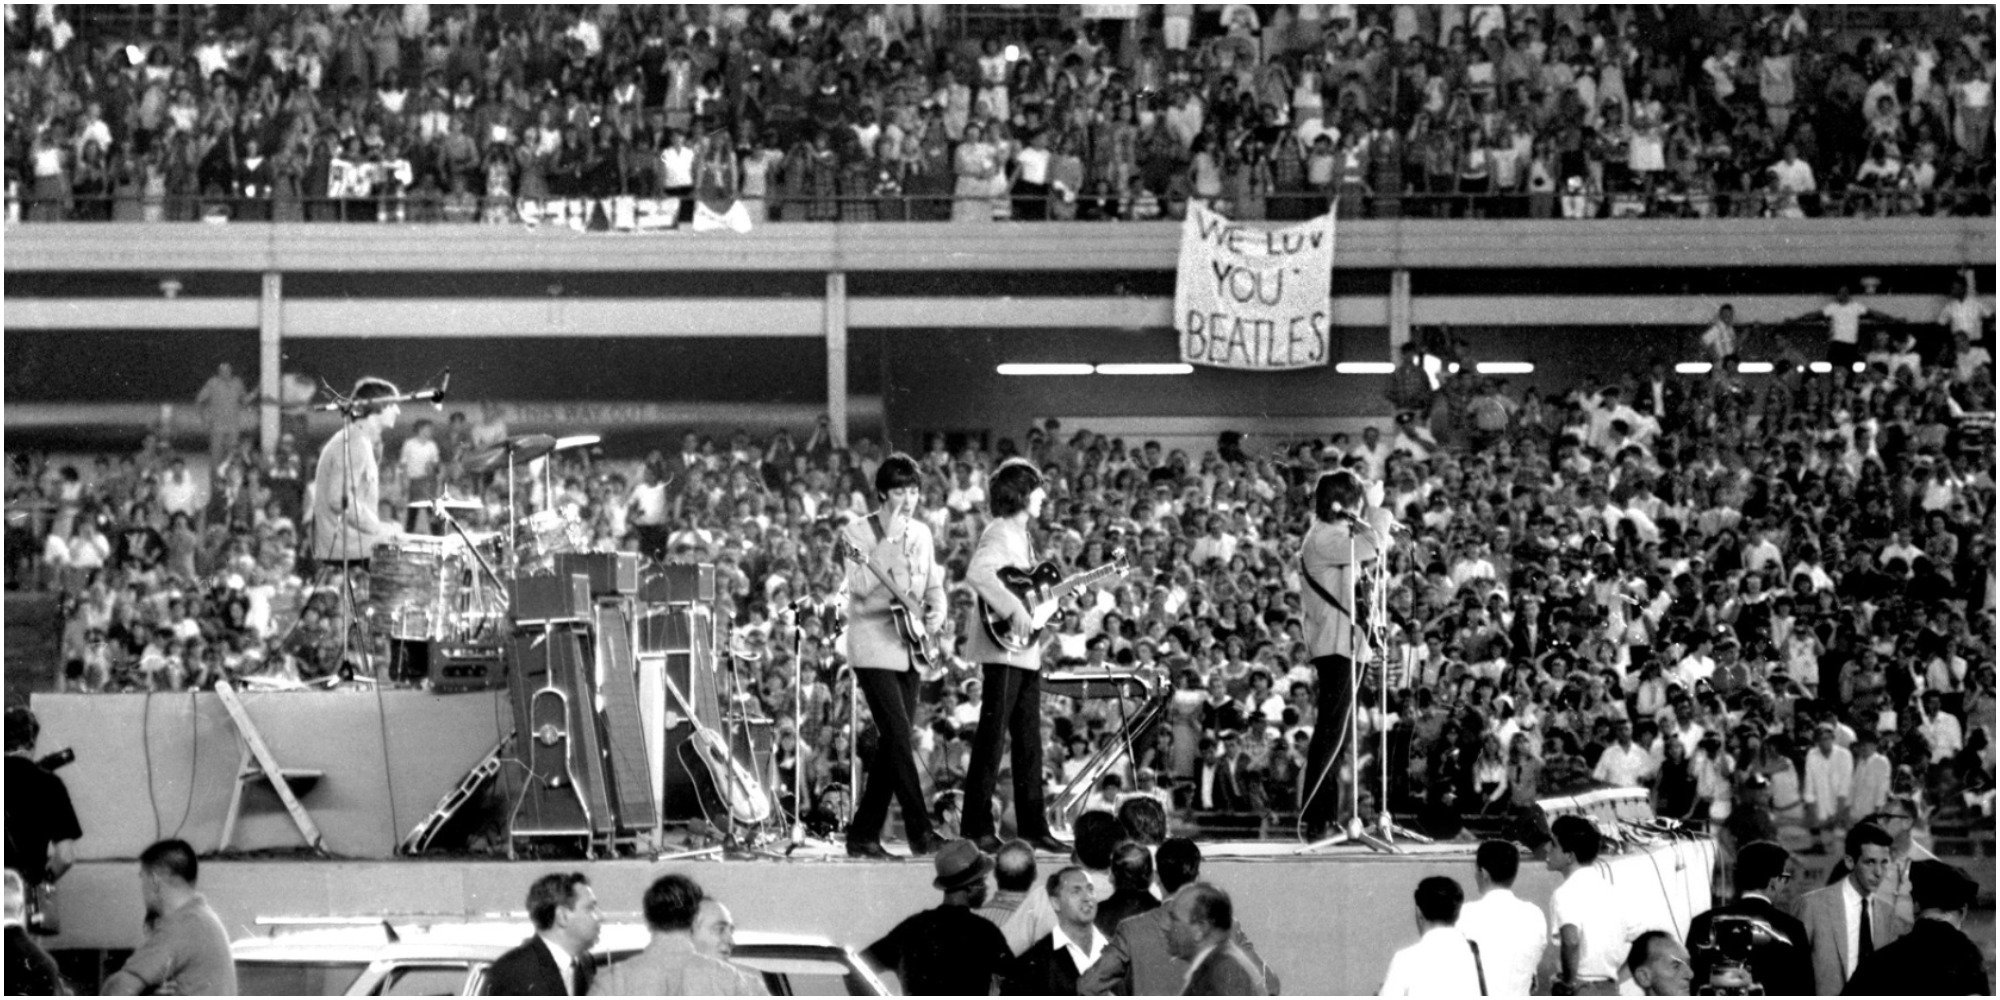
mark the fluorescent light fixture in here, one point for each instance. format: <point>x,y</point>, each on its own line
<point>1506,367</point>
<point>1058,368</point>
<point>1146,368</point>
<point>1821,367</point>
<point>1365,367</point>
<point>1693,367</point>
<point>1753,368</point>
<point>1860,366</point>
<point>1454,368</point>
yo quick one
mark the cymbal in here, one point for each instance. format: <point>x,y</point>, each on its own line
<point>448,503</point>
<point>578,441</point>
<point>524,448</point>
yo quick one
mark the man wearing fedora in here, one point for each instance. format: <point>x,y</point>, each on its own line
<point>948,950</point>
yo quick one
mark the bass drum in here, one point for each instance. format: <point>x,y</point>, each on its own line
<point>414,588</point>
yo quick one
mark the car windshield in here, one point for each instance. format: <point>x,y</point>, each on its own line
<point>296,978</point>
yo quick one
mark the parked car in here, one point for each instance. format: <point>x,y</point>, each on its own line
<point>450,959</point>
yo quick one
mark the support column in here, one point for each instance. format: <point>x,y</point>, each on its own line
<point>270,357</point>
<point>836,357</point>
<point>1399,311</point>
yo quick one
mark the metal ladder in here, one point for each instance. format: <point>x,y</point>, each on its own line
<point>258,764</point>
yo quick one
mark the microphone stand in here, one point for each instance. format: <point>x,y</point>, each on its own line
<point>799,836</point>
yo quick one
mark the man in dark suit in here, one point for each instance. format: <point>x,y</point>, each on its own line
<point>1216,786</point>
<point>1199,921</point>
<point>1847,922</point>
<point>1935,958</point>
<point>1131,887</point>
<point>1139,960</point>
<point>1052,965</point>
<point>1780,960</point>
<point>556,961</point>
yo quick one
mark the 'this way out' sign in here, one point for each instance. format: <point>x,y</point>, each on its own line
<point>1251,299</point>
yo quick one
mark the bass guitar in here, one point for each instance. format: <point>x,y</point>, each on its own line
<point>922,645</point>
<point>1042,590</point>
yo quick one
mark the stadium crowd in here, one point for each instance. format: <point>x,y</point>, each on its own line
<point>463,113</point>
<point>1768,600</point>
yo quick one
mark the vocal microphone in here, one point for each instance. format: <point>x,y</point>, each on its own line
<point>434,396</point>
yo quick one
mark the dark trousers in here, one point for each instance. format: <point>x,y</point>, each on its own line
<point>1011,708</point>
<point>892,700</point>
<point>1335,704</point>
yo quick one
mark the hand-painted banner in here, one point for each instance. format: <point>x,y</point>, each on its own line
<point>1253,299</point>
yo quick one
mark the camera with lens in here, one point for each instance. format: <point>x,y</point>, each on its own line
<point>1732,939</point>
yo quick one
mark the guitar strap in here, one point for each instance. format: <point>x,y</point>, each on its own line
<point>1320,589</point>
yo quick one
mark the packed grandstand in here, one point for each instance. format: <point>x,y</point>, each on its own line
<point>500,113</point>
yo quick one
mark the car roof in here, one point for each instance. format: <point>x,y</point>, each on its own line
<point>465,940</point>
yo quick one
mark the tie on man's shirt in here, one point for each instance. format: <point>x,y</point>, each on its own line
<point>1867,934</point>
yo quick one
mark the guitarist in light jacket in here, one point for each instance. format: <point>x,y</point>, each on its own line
<point>1340,539</point>
<point>901,548</point>
<point>1012,705</point>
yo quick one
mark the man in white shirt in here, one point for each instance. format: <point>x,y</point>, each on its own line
<point>1828,786</point>
<point>1965,313</point>
<point>1443,963</point>
<point>1719,340</point>
<point>1507,928</point>
<point>1623,763</point>
<point>1843,316</point>
<point>1585,922</point>
<point>177,490</point>
<point>1373,452</point>
<point>1217,545</point>
<point>1054,964</point>
<point>1940,729</point>
<point>1031,180</point>
<point>420,459</point>
<point>1794,175</point>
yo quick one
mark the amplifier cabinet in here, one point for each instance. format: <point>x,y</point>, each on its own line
<point>679,583</point>
<point>543,600</point>
<point>611,573</point>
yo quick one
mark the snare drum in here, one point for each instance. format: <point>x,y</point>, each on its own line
<point>414,585</point>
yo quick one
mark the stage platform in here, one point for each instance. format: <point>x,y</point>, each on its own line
<point>1326,922</point>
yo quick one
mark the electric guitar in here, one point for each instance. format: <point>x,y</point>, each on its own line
<point>1042,590</point>
<point>922,645</point>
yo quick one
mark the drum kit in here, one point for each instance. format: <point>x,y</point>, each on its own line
<point>453,587</point>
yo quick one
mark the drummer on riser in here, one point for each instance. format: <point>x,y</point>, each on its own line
<point>347,482</point>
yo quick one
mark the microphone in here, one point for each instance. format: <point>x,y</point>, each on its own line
<point>434,396</point>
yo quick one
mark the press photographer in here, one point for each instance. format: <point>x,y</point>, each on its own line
<point>1752,945</point>
<point>41,824</point>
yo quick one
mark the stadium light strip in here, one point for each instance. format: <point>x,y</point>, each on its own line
<point>1146,368</point>
<point>1754,368</point>
<point>1365,367</point>
<point>1021,368</point>
<point>1693,368</point>
<point>1821,367</point>
<point>1506,367</point>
